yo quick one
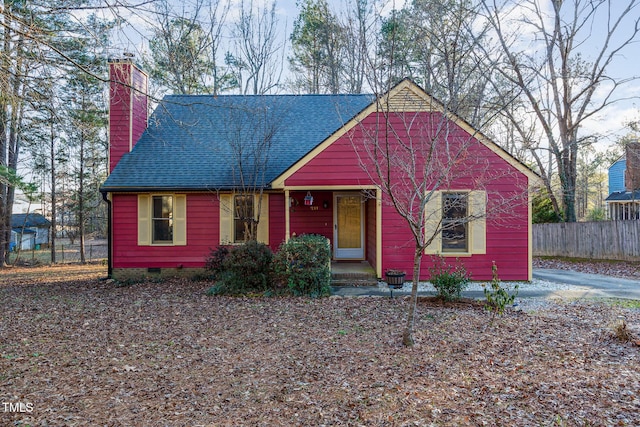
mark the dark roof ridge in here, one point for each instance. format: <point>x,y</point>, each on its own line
<point>306,95</point>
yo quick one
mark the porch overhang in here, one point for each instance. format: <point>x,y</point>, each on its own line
<point>373,190</point>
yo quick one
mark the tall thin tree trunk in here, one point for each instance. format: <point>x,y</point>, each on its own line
<point>81,201</point>
<point>52,154</point>
<point>407,337</point>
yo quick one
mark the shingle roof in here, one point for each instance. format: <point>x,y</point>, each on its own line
<point>621,196</point>
<point>188,144</point>
<point>33,220</point>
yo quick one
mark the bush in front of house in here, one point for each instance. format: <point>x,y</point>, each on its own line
<point>245,269</point>
<point>214,261</point>
<point>449,280</point>
<point>303,264</point>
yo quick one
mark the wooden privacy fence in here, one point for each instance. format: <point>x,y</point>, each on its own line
<point>619,240</point>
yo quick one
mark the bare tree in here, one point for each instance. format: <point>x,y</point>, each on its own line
<point>436,170</point>
<point>563,83</point>
<point>15,63</point>
<point>422,156</point>
<point>360,24</point>
<point>258,61</point>
<point>248,126</point>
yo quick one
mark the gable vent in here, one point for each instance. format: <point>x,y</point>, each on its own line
<point>407,100</point>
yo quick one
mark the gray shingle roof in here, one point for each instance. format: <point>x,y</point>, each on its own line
<point>188,144</point>
<point>33,220</point>
<point>621,196</point>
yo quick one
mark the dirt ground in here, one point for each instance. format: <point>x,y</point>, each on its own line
<point>76,350</point>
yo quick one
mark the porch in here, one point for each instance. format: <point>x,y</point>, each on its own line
<point>352,273</point>
<point>350,218</point>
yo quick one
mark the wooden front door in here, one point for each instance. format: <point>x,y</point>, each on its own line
<point>348,226</point>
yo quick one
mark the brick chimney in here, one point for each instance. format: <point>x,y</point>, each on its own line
<point>128,106</point>
<point>632,174</point>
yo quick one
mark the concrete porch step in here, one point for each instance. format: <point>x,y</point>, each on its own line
<point>353,274</point>
<point>355,282</point>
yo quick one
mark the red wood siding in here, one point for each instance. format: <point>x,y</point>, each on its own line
<point>507,232</point>
<point>304,220</point>
<point>337,165</point>
<point>202,234</point>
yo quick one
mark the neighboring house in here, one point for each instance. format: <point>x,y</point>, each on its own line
<point>23,240</point>
<point>623,202</point>
<point>171,188</point>
<point>36,229</point>
<point>616,175</point>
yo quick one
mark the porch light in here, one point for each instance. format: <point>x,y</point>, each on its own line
<point>308,199</point>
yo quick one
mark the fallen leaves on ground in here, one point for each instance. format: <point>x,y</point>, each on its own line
<point>86,352</point>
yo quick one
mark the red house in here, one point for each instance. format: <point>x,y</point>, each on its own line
<point>174,179</point>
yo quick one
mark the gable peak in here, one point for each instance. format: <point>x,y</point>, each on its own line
<point>407,96</point>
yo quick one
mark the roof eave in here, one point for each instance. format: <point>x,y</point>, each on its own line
<point>171,189</point>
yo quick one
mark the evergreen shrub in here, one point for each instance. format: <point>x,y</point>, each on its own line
<point>303,264</point>
<point>245,269</point>
<point>449,280</point>
<point>214,261</point>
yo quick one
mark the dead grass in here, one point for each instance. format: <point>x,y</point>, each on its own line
<point>85,352</point>
<point>52,273</point>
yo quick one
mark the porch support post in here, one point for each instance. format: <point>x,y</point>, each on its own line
<point>378,232</point>
<point>287,227</point>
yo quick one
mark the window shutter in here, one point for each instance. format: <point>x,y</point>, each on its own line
<point>478,226</point>
<point>433,217</point>
<point>180,220</point>
<point>226,218</point>
<point>144,219</point>
<point>263,225</point>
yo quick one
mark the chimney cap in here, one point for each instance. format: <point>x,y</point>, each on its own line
<point>126,56</point>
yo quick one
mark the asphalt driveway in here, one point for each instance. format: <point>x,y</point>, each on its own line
<point>586,285</point>
<point>570,284</point>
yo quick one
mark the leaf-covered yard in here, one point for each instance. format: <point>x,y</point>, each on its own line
<point>85,352</point>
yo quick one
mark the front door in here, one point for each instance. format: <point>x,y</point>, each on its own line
<point>348,226</point>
